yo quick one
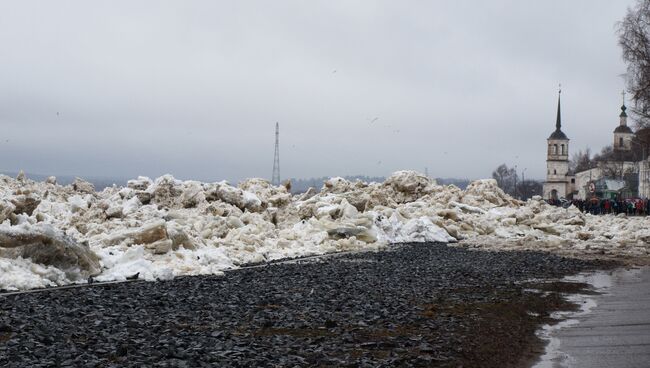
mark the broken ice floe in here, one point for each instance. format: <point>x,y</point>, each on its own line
<point>54,235</point>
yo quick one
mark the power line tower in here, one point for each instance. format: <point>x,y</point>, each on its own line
<point>275,179</point>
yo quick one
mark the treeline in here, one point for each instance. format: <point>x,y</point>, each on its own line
<point>510,182</point>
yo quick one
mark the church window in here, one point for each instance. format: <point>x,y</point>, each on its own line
<point>554,171</point>
<point>573,181</point>
<point>555,149</point>
<point>563,152</point>
<point>620,142</point>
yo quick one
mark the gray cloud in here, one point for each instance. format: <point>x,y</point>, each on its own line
<point>194,88</point>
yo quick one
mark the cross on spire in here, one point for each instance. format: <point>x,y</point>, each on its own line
<point>558,121</point>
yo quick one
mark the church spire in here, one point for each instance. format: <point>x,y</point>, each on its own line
<point>558,121</point>
<point>558,134</point>
<point>622,131</point>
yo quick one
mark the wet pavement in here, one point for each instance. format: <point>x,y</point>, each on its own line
<point>615,332</point>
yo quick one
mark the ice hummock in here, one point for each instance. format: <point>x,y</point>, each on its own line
<point>162,228</point>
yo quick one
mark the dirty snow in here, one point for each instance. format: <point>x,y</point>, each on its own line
<point>162,228</point>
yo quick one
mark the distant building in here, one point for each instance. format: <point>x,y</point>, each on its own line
<point>644,179</point>
<point>623,134</point>
<point>619,175</point>
<point>559,181</point>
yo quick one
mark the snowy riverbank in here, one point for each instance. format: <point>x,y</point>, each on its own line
<point>54,235</point>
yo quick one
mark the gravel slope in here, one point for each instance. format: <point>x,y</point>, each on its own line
<point>416,305</point>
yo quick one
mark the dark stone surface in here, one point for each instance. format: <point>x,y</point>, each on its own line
<point>416,305</point>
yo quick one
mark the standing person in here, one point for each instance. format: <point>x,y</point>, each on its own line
<point>630,207</point>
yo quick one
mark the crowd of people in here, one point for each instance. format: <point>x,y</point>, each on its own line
<point>601,206</point>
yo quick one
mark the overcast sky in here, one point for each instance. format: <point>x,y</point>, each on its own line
<point>194,88</point>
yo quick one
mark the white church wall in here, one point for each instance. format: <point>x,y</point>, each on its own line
<point>584,177</point>
<point>561,189</point>
<point>644,179</point>
<point>625,139</point>
<point>556,170</point>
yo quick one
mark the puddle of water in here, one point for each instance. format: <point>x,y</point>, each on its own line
<point>553,356</point>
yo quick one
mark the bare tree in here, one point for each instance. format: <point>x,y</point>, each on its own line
<point>641,143</point>
<point>529,188</point>
<point>506,178</point>
<point>581,161</point>
<point>615,170</point>
<point>606,154</point>
<point>610,162</point>
<point>634,39</point>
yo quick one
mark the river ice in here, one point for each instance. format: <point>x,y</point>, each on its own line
<point>158,229</point>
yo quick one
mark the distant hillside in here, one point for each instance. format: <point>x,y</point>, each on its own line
<point>99,182</point>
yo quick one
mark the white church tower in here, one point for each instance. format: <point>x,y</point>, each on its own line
<point>559,182</point>
<point>623,134</point>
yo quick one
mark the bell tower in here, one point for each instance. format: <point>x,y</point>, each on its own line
<point>623,134</point>
<point>558,180</point>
